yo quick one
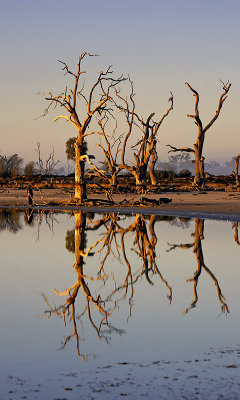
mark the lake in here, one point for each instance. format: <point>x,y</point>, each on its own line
<point>110,305</point>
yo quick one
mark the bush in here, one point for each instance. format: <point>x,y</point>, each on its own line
<point>184,173</point>
<point>29,169</point>
<point>10,166</point>
<point>165,174</point>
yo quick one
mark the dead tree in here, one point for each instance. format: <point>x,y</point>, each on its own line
<point>236,169</point>
<point>110,150</point>
<point>110,146</point>
<point>145,148</point>
<point>47,167</point>
<point>81,119</point>
<point>197,150</point>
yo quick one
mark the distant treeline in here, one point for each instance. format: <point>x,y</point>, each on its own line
<point>179,164</point>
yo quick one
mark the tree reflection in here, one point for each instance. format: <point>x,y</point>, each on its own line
<point>49,218</point>
<point>106,272</point>
<point>145,247</point>
<point>235,226</point>
<point>106,287</point>
<point>67,309</point>
<point>197,250</point>
<point>10,220</point>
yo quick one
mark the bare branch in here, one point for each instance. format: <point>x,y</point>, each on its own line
<point>223,97</point>
<point>50,162</point>
<point>182,149</point>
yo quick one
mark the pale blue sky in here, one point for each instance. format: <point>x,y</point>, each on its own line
<point>161,44</point>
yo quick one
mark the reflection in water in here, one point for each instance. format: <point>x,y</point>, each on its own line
<point>144,248</point>
<point>49,218</point>
<point>67,309</point>
<point>110,287</point>
<point>29,214</point>
<point>124,289</point>
<point>197,249</point>
<point>235,226</point>
<point>115,288</point>
<point>10,221</point>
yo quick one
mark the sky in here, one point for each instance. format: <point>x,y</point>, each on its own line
<point>160,44</point>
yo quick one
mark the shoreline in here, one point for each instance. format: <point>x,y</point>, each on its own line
<point>216,205</point>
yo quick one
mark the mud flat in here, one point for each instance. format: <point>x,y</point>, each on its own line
<point>213,376</point>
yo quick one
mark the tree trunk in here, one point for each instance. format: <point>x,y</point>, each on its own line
<point>152,164</point>
<point>141,175</point>
<point>113,180</point>
<point>138,179</point>
<point>80,184</point>
<point>199,179</point>
<point>236,170</point>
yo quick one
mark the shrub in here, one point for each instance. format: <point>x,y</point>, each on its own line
<point>184,173</point>
<point>29,169</point>
<point>10,166</point>
<point>165,174</point>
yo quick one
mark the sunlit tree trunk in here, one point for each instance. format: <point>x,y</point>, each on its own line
<point>80,183</point>
<point>113,180</point>
<point>152,164</point>
<point>236,169</point>
<point>199,178</point>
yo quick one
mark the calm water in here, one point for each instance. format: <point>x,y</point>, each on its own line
<point>83,290</point>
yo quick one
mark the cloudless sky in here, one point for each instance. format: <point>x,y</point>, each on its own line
<point>160,44</point>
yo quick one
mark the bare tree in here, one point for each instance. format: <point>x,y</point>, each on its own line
<point>197,150</point>
<point>81,119</point>
<point>47,167</point>
<point>110,149</point>
<point>110,145</point>
<point>145,148</point>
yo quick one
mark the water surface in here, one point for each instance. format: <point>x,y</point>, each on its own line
<point>81,291</point>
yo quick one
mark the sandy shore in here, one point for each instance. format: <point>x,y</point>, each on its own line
<point>220,205</point>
